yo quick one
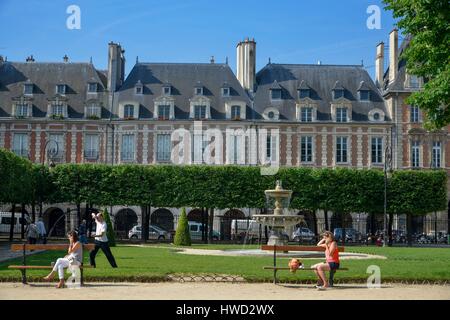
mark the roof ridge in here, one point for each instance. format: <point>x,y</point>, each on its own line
<point>317,65</point>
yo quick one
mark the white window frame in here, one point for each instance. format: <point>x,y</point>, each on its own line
<point>436,154</point>
<point>92,109</point>
<point>379,151</point>
<point>163,140</point>
<point>91,146</point>
<point>61,86</point>
<point>95,84</point>
<point>414,114</point>
<point>28,85</point>
<point>59,138</point>
<point>23,141</point>
<point>339,116</point>
<point>305,140</point>
<point>128,153</point>
<point>415,154</point>
<point>339,140</point>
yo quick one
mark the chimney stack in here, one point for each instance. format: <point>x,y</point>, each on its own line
<point>379,65</point>
<point>30,59</point>
<point>116,66</point>
<point>246,64</point>
<point>212,60</point>
<point>66,58</point>
<point>393,55</point>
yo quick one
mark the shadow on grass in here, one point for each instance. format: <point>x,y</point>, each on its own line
<point>335,287</point>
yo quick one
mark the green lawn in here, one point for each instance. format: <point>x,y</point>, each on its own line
<point>153,263</point>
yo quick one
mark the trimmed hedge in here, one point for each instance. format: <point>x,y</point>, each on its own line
<point>338,190</point>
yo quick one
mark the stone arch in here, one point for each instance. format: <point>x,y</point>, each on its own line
<point>341,220</point>
<point>374,223</point>
<point>124,220</point>
<point>225,224</point>
<point>195,215</point>
<point>55,222</point>
<point>310,220</point>
<point>162,218</point>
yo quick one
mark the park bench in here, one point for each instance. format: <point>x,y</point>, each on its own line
<point>286,248</point>
<point>60,247</point>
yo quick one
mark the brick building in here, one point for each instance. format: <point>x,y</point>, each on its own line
<point>284,114</point>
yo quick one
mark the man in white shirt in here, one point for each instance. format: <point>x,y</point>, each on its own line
<point>101,241</point>
<point>42,232</point>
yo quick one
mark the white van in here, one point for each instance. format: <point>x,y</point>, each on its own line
<point>241,228</point>
<point>5,222</point>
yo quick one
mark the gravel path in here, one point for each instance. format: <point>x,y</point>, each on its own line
<point>212,291</point>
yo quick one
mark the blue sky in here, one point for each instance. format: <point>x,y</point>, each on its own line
<point>287,31</point>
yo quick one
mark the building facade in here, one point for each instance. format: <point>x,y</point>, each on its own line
<point>283,115</point>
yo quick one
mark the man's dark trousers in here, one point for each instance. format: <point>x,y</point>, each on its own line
<point>105,248</point>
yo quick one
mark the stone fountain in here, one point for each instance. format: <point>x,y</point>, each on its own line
<point>278,220</point>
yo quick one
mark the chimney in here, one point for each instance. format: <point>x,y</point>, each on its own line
<point>246,64</point>
<point>393,55</point>
<point>66,58</point>
<point>30,59</point>
<point>116,66</point>
<point>212,60</point>
<point>379,65</point>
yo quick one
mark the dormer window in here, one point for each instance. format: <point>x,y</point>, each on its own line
<point>364,95</point>
<point>139,88</point>
<point>275,91</point>
<point>128,111</point>
<point>225,92</point>
<point>199,91</point>
<point>163,112</point>
<point>92,87</point>
<point>364,92</point>
<point>58,109</point>
<point>236,112</point>
<point>199,112</point>
<point>338,93</point>
<point>306,114</point>
<point>28,88</point>
<point>341,114</point>
<point>21,110</point>
<point>61,89</point>
<point>167,90</point>
<point>93,111</point>
<point>303,93</point>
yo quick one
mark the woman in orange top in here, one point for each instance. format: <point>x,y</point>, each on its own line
<point>332,259</point>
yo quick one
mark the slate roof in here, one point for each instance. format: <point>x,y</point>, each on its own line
<point>45,77</point>
<point>398,84</point>
<point>321,79</point>
<point>183,78</point>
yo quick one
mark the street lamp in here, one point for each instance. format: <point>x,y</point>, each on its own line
<point>387,168</point>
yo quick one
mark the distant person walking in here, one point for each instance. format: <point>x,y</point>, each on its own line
<point>101,241</point>
<point>82,232</point>
<point>42,232</point>
<point>32,233</point>
<point>332,259</point>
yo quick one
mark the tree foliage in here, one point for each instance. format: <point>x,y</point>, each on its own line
<point>182,235</point>
<point>428,54</point>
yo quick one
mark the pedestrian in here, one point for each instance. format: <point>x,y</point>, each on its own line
<point>41,230</point>
<point>82,232</point>
<point>101,241</point>
<point>32,233</point>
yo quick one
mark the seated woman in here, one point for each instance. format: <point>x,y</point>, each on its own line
<point>74,257</point>
<point>332,259</point>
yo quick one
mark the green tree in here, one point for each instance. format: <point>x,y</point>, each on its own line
<point>428,54</point>
<point>110,231</point>
<point>182,235</point>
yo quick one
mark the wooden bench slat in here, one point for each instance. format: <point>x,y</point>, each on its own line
<point>42,267</point>
<point>287,268</point>
<point>297,248</point>
<point>62,247</point>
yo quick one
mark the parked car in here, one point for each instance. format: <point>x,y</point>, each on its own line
<point>303,234</point>
<point>244,229</point>
<point>5,222</point>
<point>196,229</point>
<point>154,233</point>
<point>351,235</point>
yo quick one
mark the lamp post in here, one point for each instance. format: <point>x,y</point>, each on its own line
<point>387,168</point>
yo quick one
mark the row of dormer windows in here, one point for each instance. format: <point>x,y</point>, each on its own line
<point>61,89</point>
<point>276,94</point>
<point>167,90</point>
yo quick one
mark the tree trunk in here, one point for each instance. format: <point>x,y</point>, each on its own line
<point>316,227</point>
<point>13,219</point>
<point>211,224</point>
<point>206,225</point>
<point>40,210</point>
<point>79,211</point>
<point>391,221</point>
<point>325,214</point>
<point>343,228</point>
<point>145,226</point>
<point>409,229</point>
<point>33,212</point>
<point>22,226</point>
